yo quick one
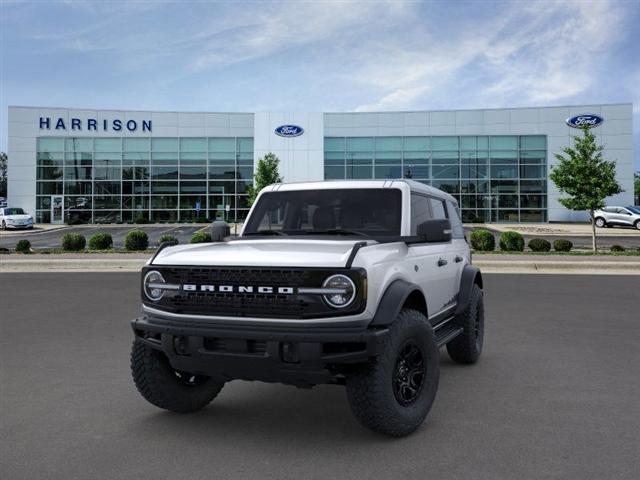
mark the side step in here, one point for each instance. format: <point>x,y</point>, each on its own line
<point>446,333</point>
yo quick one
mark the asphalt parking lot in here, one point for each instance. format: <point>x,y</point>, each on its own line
<point>555,395</point>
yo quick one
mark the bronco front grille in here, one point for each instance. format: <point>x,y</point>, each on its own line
<point>261,305</point>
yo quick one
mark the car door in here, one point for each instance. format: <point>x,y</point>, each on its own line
<point>624,216</point>
<point>458,243</point>
<point>433,263</point>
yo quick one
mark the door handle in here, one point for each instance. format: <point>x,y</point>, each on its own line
<point>458,259</point>
<point>442,262</point>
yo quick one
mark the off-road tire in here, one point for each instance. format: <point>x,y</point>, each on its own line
<point>467,347</point>
<point>370,389</point>
<point>600,222</point>
<point>163,387</point>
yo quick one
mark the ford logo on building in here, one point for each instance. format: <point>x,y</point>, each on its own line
<point>289,131</point>
<point>587,120</point>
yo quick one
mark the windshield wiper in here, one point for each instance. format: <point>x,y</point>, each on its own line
<point>336,231</point>
<point>265,232</point>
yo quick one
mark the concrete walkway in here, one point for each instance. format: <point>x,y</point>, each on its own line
<point>559,229</point>
<point>495,263</point>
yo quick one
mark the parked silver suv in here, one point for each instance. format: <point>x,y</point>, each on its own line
<point>622,216</point>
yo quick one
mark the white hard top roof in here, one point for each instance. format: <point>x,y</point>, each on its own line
<point>332,184</point>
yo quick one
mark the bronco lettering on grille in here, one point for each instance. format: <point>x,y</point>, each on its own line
<point>190,287</point>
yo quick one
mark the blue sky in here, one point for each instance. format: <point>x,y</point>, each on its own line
<point>318,56</point>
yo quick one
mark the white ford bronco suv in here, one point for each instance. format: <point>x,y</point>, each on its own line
<point>356,283</point>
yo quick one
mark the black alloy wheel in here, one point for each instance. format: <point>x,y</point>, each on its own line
<point>408,374</point>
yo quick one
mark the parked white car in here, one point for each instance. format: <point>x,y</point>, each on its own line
<point>620,216</point>
<point>15,218</point>
<point>356,283</point>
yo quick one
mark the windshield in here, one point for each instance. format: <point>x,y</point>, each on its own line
<point>13,211</point>
<point>370,212</point>
<point>634,210</point>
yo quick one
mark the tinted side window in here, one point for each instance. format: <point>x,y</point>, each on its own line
<point>456,225</point>
<point>437,207</point>
<point>420,211</point>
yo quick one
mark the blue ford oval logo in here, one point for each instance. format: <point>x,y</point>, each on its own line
<point>587,120</point>
<point>289,131</point>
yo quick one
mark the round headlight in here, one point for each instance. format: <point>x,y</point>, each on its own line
<point>344,291</point>
<point>153,282</point>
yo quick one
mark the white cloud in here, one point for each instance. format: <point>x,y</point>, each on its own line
<point>528,54</point>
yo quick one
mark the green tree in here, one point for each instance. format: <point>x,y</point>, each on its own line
<point>585,177</point>
<point>3,174</point>
<point>636,188</point>
<point>266,174</point>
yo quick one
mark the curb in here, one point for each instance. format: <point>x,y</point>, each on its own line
<point>27,265</point>
<point>583,267</point>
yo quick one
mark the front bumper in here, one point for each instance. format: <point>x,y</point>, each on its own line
<point>296,355</point>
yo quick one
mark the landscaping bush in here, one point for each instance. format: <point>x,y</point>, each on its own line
<point>617,248</point>
<point>136,240</point>
<point>483,241</point>
<point>167,238</point>
<point>562,245</point>
<point>201,237</point>
<point>101,241</point>
<point>73,242</point>
<point>539,245</point>
<point>23,246</point>
<point>511,242</point>
<point>142,220</point>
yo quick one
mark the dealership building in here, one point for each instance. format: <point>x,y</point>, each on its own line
<point>107,166</point>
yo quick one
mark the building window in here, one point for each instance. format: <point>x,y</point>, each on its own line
<point>160,179</point>
<point>494,178</point>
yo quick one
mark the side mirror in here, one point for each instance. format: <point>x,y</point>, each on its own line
<point>435,231</point>
<point>220,230</point>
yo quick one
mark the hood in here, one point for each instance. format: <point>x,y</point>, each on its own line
<point>264,252</point>
<point>18,217</point>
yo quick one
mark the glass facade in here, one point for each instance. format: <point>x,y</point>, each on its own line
<point>498,178</point>
<point>109,180</point>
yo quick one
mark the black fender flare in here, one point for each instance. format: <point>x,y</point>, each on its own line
<point>470,275</point>
<point>392,301</point>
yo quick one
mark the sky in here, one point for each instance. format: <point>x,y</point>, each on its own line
<point>318,55</point>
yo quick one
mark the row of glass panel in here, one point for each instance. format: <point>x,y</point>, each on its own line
<point>155,173</point>
<point>188,202</point>
<point>140,187</point>
<point>443,158</point>
<point>436,171</point>
<point>147,144</point>
<point>511,215</point>
<point>51,159</point>
<point>158,216</point>
<point>437,143</point>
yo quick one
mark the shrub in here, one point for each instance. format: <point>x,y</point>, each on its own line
<point>617,248</point>
<point>562,245</point>
<point>539,245</point>
<point>100,241</point>
<point>73,242</point>
<point>136,240</point>
<point>483,240</point>
<point>167,238</point>
<point>201,237</point>
<point>23,246</point>
<point>511,242</point>
<point>141,220</point>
